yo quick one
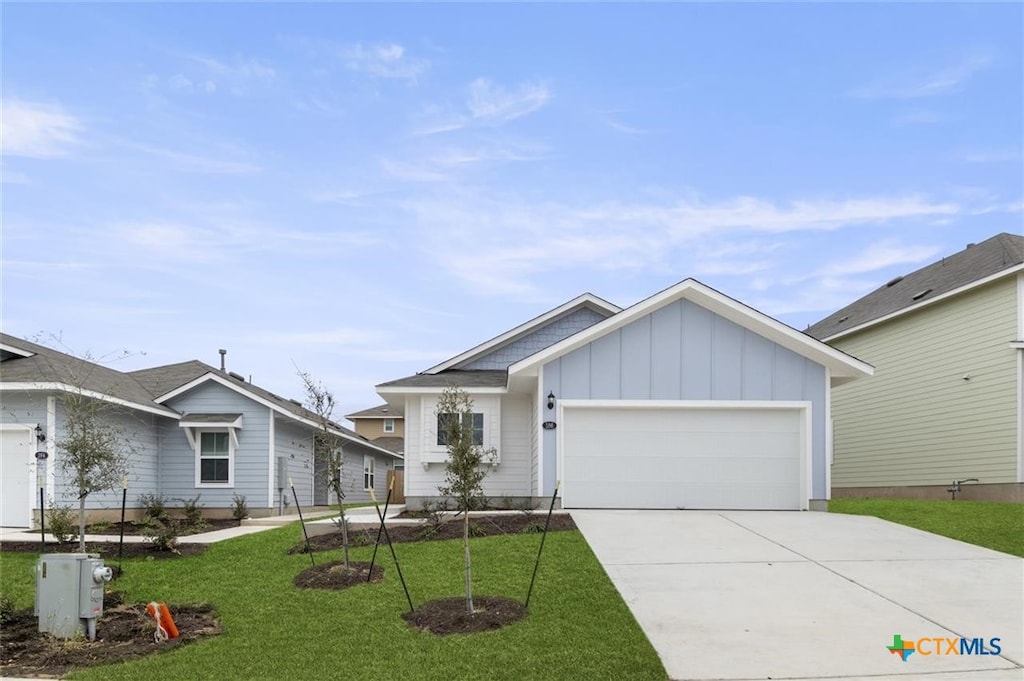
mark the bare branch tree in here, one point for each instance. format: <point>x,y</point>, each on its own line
<point>328,442</point>
<point>464,474</point>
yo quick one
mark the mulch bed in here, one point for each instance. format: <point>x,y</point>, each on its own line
<point>124,632</point>
<point>449,616</point>
<point>107,550</point>
<point>333,575</point>
<point>480,526</point>
<point>184,530</point>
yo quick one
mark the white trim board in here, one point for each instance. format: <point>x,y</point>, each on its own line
<point>68,388</point>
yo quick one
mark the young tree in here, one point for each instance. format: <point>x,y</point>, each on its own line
<point>320,401</point>
<point>95,450</point>
<point>464,474</point>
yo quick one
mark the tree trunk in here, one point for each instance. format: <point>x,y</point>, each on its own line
<point>344,535</point>
<point>465,546</point>
<point>81,523</point>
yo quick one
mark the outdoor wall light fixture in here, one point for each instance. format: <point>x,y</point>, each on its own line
<point>39,433</point>
<point>551,400</point>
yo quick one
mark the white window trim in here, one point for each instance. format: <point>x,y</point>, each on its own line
<point>369,470</point>
<point>388,422</point>
<point>196,437</point>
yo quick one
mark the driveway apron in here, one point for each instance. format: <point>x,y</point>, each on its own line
<point>805,595</point>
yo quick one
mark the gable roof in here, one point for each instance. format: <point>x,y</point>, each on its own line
<point>185,376</point>
<point>843,367</point>
<point>974,266</point>
<point>587,300</point>
<point>30,366</point>
<point>382,411</point>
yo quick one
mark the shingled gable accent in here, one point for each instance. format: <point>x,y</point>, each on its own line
<point>843,367</point>
<point>587,300</point>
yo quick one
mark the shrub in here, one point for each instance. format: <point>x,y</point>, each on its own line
<point>101,527</point>
<point>62,524</point>
<point>155,506</point>
<point>193,511</point>
<point>239,509</point>
<point>164,535</point>
<point>476,530</point>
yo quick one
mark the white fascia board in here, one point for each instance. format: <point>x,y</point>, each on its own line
<point>15,351</point>
<point>236,423</point>
<point>276,408</point>
<point>841,364</point>
<point>399,390</point>
<point>373,418</point>
<point>925,303</point>
<point>524,329</point>
<point>65,387</point>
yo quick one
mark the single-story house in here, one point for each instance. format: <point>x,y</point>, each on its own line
<point>191,429</point>
<point>946,403</point>
<point>688,399</point>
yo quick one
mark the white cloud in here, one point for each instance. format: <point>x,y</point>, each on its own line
<point>495,104</point>
<point>932,83</point>
<point>197,163</point>
<point>877,256</point>
<point>37,130</point>
<point>504,245</point>
<point>383,60</point>
<point>239,68</point>
<point>991,155</point>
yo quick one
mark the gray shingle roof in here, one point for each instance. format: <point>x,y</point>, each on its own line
<point>394,443</point>
<point>52,366</point>
<point>381,412</point>
<point>477,378</point>
<point>974,263</point>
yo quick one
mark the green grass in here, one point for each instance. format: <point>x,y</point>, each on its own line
<point>578,626</point>
<point>998,526</point>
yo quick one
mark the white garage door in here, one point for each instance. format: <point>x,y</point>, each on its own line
<point>15,477</point>
<point>682,457</point>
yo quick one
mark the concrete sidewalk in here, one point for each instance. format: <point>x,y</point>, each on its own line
<point>747,595</point>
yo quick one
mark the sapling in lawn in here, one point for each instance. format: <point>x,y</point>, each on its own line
<point>464,470</point>
<point>328,442</point>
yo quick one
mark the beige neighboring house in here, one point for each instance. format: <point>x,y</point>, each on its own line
<point>383,424</point>
<point>945,403</point>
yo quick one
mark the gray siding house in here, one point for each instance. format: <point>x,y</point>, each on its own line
<point>947,400</point>
<point>688,399</point>
<point>193,430</point>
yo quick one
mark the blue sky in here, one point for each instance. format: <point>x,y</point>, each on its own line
<point>365,190</point>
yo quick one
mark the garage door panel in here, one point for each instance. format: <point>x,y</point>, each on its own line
<point>682,458</point>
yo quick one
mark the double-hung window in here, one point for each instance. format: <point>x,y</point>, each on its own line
<point>389,425</point>
<point>473,422</point>
<point>368,472</point>
<point>215,457</point>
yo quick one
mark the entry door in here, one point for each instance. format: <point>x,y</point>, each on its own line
<point>16,477</point>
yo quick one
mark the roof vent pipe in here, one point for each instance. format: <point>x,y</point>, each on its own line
<point>222,352</point>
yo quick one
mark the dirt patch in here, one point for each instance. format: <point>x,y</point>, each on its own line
<point>124,632</point>
<point>479,526</point>
<point>107,550</point>
<point>334,576</point>
<point>449,616</point>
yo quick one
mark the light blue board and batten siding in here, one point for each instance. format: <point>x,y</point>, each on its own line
<point>178,459</point>
<point>683,351</point>
<point>546,336</point>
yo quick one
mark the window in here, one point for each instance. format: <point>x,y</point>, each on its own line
<point>368,464</point>
<point>215,457</point>
<point>474,422</point>
<point>389,425</point>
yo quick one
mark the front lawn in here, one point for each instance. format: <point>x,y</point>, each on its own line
<point>998,526</point>
<point>578,626</point>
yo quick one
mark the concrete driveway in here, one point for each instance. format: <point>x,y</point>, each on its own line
<point>783,595</point>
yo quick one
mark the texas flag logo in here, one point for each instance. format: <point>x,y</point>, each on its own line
<point>901,647</point>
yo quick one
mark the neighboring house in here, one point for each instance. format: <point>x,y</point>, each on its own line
<point>193,430</point>
<point>945,403</point>
<point>688,399</point>
<point>383,425</point>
